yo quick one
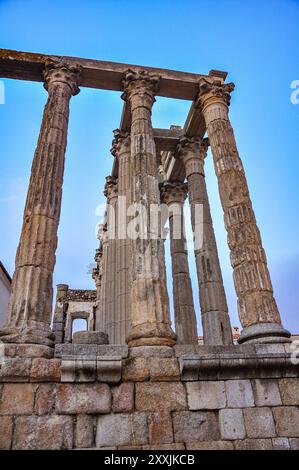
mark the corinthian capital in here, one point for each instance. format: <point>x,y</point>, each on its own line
<point>214,90</point>
<point>121,142</point>
<point>139,82</point>
<point>194,146</point>
<point>111,189</point>
<point>56,71</point>
<point>173,192</point>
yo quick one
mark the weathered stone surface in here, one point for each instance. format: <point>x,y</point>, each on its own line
<point>135,369</point>
<point>289,390</point>
<point>28,350</point>
<point>264,348</point>
<point>85,370</point>
<point>164,369</point>
<point>83,398</point>
<point>176,446</point>
<point>239,393</point>
<point>15,370</point>
<point>287,421</point>
<point>181,349</point>
<point>232,424</point>
<point>45,370</point>
<point>166,396</point>
<point>206,395</point>
<point>281,443</point>
<point>212,445</point>
<point>43,432</point>
<point>266,392</point>
<point>86,349</point>
<point>84,434</point>
<point>6,427</point>
<point>151,351</point>
<point>68,370</point>
<point>44,399</point>
<point>254,444</point>
<point>17,399</point>
<point>160,428</point>
<point>294,443</point>
<point>125,448</point>
<point>109,369</point>
<point>259,422</point>
<point>90,337</point>
<point>112,350</point>
<point>123,398</point>
<point>122,430</point>
<point>192,426</point>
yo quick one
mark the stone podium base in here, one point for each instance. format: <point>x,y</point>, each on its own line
<point>186,397</point>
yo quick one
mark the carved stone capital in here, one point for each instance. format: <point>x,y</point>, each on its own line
<point>56,71</point>
<point>98,256</point>
<point>214,91</point>
<point>192,151</point>
<point>141,82</point>
<point>173,192</point>
<point>192,145</point>
<point>121,143</point>
<point>103,234</point>
<point>111,187</point>
<point>96,275</point>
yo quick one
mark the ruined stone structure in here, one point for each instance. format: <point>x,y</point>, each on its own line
<point>132,380</point>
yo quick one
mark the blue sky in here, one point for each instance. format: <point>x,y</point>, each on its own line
<point>256,42</point>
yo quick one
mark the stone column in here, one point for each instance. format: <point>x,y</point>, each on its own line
<point>111,314</point>
<point>97,273</point>
<point>31,299</point>
<point>213,305</point>
<point>101,310</point>
<point>257,307</point>
<point>60,312</point>
<point>150,314</point>
<point>174,194</point>
<point>121,148</point>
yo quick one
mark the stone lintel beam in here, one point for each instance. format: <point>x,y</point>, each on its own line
<point>97,73</point>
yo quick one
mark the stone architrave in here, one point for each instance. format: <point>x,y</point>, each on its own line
<point>257,307</point>
<point>150,315</point>
<point>174,194</point>
<point>213,305</point>
<point>30,304</point>
<point>121,149</point>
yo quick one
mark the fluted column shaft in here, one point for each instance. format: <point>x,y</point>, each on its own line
<point>111,192</point>
<point>150,313</point>
<point>213,305</point>
<point>101,311</point>
<point>32,292</point>
<point>121,148</point>
<point>174,195</point>
<point>257,307</point>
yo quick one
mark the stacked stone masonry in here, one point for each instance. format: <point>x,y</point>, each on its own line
<point>149,405</point>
